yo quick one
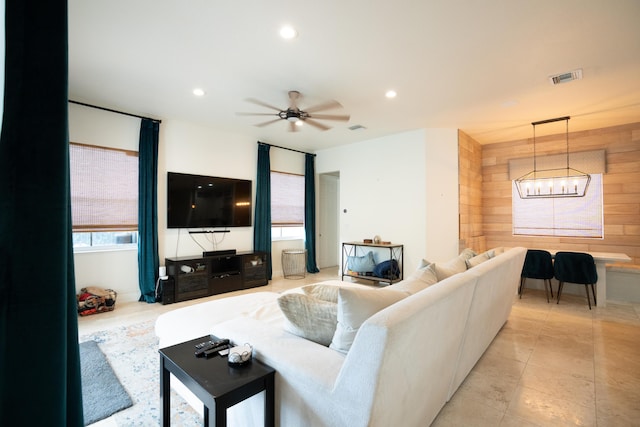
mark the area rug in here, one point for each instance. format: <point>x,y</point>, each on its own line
<point>102,393</point>
<point>132,352</point>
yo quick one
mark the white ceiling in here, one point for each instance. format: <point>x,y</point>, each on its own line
<point>479,66</point>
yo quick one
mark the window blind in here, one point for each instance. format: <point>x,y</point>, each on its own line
<point>104,188</point>
<point>287,199</point>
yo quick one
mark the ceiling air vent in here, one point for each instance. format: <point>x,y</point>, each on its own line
<point>357,127</point>
<point>566,77</point>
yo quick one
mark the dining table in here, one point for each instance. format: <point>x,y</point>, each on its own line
<point>601,259</point>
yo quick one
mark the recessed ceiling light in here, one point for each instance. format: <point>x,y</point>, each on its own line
<point>288,32</point>
<point>198,92</point>
<point>391,94</point>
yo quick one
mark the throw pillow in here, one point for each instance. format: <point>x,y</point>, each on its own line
<point>356,305</point>
<point>361,264</point>
<point>451,267</point>
<point>322,292</point>
<point>308,317</point>
<point>478,259</point>
<point>421,279</point>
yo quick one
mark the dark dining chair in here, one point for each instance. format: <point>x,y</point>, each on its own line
<point>537,265</point>
<point>576,267</point>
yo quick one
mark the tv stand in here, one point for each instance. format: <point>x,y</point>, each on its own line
<point>215,274</point>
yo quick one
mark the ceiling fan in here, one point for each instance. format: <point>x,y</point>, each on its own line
<point>294,115</point>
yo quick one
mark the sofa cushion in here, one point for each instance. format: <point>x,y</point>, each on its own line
<point>354,307</point>
<point>322,292</point>
<point>309,317</point>
<point>361,264</point>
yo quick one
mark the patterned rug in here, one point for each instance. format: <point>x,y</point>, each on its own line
<point>132,352</point>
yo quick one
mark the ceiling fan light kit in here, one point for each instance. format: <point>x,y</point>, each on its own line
<point>552,183</point>
<point>294,115</point>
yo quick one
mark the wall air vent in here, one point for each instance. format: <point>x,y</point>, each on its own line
<point>566,77</point>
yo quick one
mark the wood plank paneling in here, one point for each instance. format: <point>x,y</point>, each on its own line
<point>621,186</point>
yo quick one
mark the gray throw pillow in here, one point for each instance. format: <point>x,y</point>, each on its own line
<point>309,318</point>
<point>322,292</point>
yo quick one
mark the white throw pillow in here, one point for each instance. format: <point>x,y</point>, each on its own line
<point>421,279</point>
<point>478,259</point>
<point>451,267</point>
<point>308,317</point>
<point>354,307</point>
<point>322,292</point>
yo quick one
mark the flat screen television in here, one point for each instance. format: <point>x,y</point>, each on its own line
<point>197,201</point>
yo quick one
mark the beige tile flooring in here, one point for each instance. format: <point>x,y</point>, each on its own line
<point>550,365</point>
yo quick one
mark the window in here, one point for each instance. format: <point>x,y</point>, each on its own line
<point>560,217</point>
<point>104,196</point>
<point>287,206</point>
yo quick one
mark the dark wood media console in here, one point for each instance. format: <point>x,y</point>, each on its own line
<point>197,277</point>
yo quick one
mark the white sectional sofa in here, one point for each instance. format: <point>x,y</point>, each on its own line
<point>406,360</point>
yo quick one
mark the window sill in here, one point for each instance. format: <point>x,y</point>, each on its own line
<point>114,248</point>
<point>284,239</point>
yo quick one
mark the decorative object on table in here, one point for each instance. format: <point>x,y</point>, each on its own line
<point>240,355</point>
<point>377,240</point>
<point>367,241</point>
<point>385,243</point>
<point>93,299</point>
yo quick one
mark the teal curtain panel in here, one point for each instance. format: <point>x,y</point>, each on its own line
<point>262,222</point>
<point>148,261</point>
<point>39,355</point>
<point>310,212</point>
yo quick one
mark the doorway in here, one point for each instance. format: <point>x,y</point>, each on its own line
<point>329,225</point>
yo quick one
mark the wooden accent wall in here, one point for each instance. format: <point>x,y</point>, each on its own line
<point>470,193</point>
<point>621,185</point>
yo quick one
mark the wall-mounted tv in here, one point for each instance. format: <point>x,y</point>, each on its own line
<point>197,201</point>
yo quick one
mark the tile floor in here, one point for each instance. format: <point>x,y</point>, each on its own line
<point>550,365</point>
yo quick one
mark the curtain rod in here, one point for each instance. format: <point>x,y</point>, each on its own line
<point>113,111</point>
<point>285,148</point>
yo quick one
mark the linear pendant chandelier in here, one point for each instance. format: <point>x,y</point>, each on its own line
<point>550,183</point>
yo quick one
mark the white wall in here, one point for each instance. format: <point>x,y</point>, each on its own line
<point>390,187</point>
<point>441,194</point>
<point>116,270</point>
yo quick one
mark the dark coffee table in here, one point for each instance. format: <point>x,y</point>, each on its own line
<point>218,385</point>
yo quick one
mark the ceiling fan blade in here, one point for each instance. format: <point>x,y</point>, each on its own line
<point>256,114</point>
<point>263,104</point>
<point>317,124</point>
<point>294,96</point>
<point>268,122</point>
<point>324,106</point>
<point>343,117</point>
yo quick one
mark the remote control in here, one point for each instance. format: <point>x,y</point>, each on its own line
<point>203,344</point>
<point>210,345</point>
<point>214,350</point>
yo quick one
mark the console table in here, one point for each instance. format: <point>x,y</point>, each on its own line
<point>202,276</point>
<point>214,382</point>
<point>395,252</point>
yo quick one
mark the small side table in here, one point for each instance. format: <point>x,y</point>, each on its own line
<point>294,263</point>
<point>218,385</point>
